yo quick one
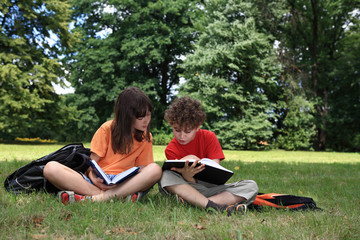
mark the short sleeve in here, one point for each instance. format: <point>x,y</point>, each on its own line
<point>170,151</point>
<point>213,147</point>
<point>100,142</point>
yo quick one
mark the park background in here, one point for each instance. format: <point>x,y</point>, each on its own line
<point>270,74</point>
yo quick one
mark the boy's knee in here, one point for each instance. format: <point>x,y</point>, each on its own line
<point>253,185</point>
<point>254,189</point>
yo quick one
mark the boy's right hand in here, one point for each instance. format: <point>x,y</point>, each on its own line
<point>188,172</point>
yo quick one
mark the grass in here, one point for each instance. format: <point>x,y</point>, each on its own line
<point>330,178</point>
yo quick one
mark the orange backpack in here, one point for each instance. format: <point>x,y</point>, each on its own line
<point>283,201</point>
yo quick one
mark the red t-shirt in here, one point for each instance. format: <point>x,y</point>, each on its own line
<point>204,145</point>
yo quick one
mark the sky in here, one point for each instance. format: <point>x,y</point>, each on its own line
<point>59,90</point>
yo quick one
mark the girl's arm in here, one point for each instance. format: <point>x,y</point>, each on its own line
<point>94,156</point>
<point>97,181</point>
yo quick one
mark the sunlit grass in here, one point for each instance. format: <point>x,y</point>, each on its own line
<point>29,152</point>
<point>331,179</point>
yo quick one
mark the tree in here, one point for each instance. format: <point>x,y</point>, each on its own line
<point>32,35</point>
<point>132,42</point>
<point>344,98</point>
<point>232,72</point>
<point>309,34</point>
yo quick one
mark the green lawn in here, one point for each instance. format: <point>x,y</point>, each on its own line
<point>330,178</point>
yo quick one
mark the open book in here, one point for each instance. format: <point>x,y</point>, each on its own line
<point>118,178</point>
<point>213,172</point>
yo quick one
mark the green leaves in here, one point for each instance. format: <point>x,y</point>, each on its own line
<point>29,67</point>
<point>142,48</point>
<point>258,66</point>
<point>224,73</point>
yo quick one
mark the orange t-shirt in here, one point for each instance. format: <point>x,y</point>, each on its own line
<point>140,154</point>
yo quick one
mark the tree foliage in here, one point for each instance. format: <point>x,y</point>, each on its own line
<point>283,71</point>
<point>344,96</point>
<point>232,72</point>
<point>132,42</point>
<point>29,66</point>
<point>310,36</point>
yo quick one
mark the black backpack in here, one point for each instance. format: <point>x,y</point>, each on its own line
<point>30,178</point>
<point>283,201</point>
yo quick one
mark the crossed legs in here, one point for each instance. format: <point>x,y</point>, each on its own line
<point>193,196</point>
<point>65,178</point>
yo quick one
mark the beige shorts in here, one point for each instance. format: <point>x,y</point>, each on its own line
<point>247,189</point>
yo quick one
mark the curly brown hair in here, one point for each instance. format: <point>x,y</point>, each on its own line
<point>185,113</point>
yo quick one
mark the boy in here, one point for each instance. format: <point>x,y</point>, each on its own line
<point>185,115</point>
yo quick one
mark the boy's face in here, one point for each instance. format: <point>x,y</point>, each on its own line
<point>184,136</point>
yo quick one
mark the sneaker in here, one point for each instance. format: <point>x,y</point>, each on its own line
<point>67,197</point>
<point>135,197</point>
<point>236,209</point>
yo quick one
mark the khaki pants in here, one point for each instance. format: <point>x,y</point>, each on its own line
<point>247,189</point>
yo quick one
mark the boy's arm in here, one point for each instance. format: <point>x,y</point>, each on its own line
<point>216,160</point>
<point>188,172</point>
<point>190,157</point>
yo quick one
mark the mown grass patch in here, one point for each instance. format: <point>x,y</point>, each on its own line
<point>331,179</point>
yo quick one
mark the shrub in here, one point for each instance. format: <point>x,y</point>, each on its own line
<point>162,138</point>
<point>34,140</point>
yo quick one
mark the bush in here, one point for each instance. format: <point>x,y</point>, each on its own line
<point>162,138</point>
<point>34,140</point>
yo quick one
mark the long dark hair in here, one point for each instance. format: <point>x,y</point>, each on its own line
<point>131,104</point>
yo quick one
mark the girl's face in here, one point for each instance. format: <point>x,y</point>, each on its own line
<point>184,136</point>
<point>142,123</point>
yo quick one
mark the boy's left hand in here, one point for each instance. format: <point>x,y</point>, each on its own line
<point>188,172</point>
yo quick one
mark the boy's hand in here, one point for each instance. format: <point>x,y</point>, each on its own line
<point>188,172</point>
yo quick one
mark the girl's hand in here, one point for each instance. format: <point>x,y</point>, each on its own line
<point>141,167</point>
<point>188,172</point>
<point>99,182</point>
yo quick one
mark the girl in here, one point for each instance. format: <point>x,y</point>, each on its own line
<point>117,145</point>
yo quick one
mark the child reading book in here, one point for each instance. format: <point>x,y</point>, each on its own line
<point>185,115</point>
<point>212,173</point>
<point>118,145</point>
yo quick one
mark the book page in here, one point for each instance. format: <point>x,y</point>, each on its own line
<point>206,161</point>
<point>213,172</point>
<point>124,174</point>
<point>99,172</point>
<point>212,163</point>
